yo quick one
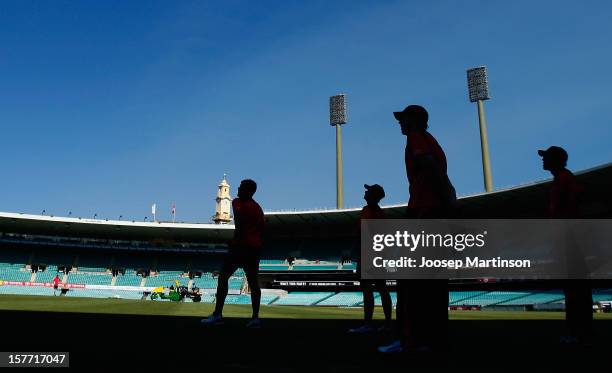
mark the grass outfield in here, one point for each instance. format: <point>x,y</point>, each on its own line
<point>152,308</point>
<point>129,335</point>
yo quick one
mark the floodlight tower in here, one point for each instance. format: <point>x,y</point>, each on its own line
<point>337,117</point>
<point>478,87</point>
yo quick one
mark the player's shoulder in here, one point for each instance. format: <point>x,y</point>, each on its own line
<point>365,212</point>
<point>372,212</point>
<point>567,179</point>
<point>255,205</point>
<point>419,142</point>
<point>566,176</point>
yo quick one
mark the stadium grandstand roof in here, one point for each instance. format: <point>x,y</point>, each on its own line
<point>524,201</point>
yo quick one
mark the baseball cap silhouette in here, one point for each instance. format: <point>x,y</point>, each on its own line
<point>376,190</point>
<point>554,152</point>
<point>412,111</point>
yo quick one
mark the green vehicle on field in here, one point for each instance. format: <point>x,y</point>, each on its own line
<point>176,294</point>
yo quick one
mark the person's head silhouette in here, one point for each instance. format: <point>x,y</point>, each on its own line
<point>247,189</point>
<point>373,194</point>
<point>412,118</point>
<point>554,158</point>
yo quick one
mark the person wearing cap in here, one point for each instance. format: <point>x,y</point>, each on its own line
<point>244,251</point>
<point>563,196</point>
<point>422,305</point>
<point>563,203</point>
<point>373,195</point>
<point>431,193</point>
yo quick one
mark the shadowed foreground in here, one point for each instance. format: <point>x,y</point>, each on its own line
<point>100,341</point>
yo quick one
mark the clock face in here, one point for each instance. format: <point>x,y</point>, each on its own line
<point>225,205</point>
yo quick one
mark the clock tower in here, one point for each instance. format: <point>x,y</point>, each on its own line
<point>224,203</point>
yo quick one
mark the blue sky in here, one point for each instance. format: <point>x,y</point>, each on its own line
<point>108,107</point>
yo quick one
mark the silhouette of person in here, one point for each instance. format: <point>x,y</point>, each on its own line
<point>373,195</point>
<point>422,305</point>
<point>244,251</point>
<point>563,203</point>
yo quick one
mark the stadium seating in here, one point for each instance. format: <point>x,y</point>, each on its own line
<point>315,267</point>
<point>89,279</point>
<point>49,257</point>
<point>457,297</point>
<point>536,298</point>
<point>92,269</point>
<point>602,295</point>
<point>272,261</point>
<point>209,298</point>
<point>236,283</point>
<point>492,298</point>
<point>302,298</point>
<point>47,275</point>
<point>14,273</point>
<point>347,299</point>
<point>206,281</point>
<point>93,262</point>
<point>172,263</point>
<point>273,265</point>
<point>166,279</point>
<point>133,261</point>
<point>129,279</point>
<point>378,302</point>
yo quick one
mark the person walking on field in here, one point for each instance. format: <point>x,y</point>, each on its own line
<point>56,282</point>
<point>244,251</point>
<point>373,195</point>
<point>422,305</point>
<point>563,203</point>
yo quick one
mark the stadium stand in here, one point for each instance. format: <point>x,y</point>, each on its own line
<point>92,269</point>
<point>206,281</point>
<point>456,297</point>
<point>172,263</point>
<point>166,278</point>
<point>133,261</point>
<point>13,268</point>
<point>492,298</point>
<point>347,299</point>
<point>314,267</point>
<point>14,273</point>
<point>92,262</point>
<point>273,265</point>
<point>314,240</point>
<point>47,275</point>
<point>13,256</point>
<point>378,302</point>
<point>128,279</point>
<point>302,298</point>
<point>536,298</point>
<point>89,279</point>
<point>602,295</point>
<point>49,257</point>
